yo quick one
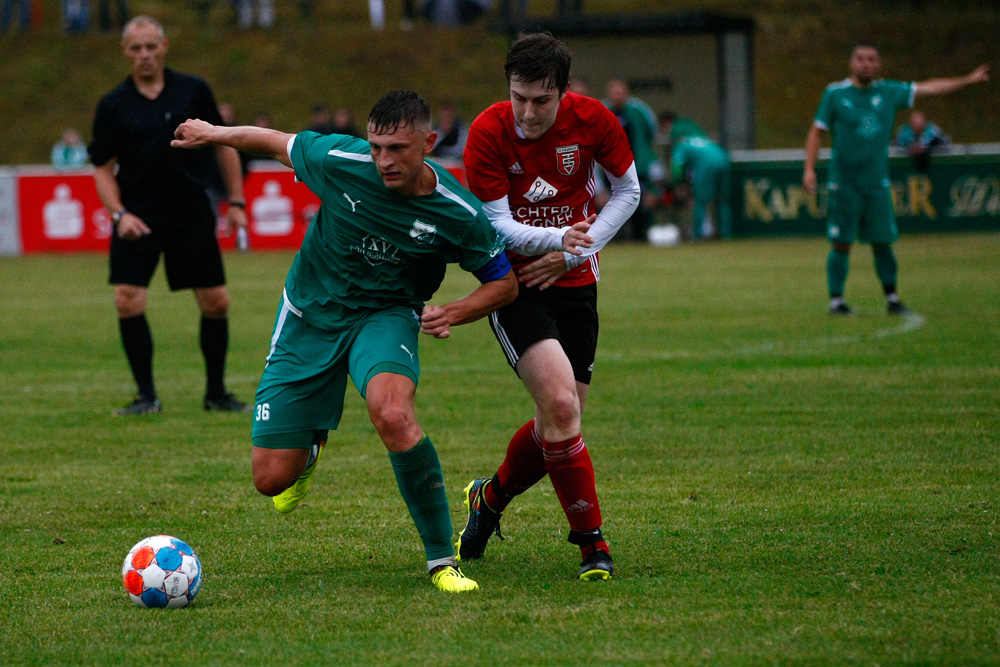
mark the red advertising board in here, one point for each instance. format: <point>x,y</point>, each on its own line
<point>60,212</point>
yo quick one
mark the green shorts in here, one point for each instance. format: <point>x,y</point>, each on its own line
<point>710,182</point>
<point>858,213</point>
<point>302,389</point>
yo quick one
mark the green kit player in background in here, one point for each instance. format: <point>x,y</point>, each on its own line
<point>707,164</point>
<point>388,224</point>
<point>860,111</point>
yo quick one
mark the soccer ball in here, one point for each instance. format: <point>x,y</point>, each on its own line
<point>161,571</point>
<point>663,235</point>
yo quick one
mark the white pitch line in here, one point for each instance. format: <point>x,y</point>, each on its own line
<point>910,323</point>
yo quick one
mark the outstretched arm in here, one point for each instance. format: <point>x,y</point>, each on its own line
<point>437,320</point>
<point>262,141</point>
<point>953,84</point>
<point>813,141</point>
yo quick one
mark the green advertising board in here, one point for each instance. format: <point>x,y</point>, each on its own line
<point>958,192</point>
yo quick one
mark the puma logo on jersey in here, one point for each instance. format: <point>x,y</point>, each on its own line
<point>539,190</point>
<point>353,203</point>
<point>407,351</point>
<point>515,168</point>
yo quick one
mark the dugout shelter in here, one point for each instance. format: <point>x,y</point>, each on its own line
<point>698,65</point>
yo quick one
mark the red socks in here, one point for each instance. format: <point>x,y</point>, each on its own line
<point>568,465</point>
<point>522,468</point>
<point>572,475</point>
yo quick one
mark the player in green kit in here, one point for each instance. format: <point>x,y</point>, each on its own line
<point>860,111</point>
<point>707,164</point>
<point>389,222</point>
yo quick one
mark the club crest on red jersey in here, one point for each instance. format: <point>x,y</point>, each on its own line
<point>568,159</point>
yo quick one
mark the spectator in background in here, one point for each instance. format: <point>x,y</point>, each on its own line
<point>321,120</point>
<point>639,123</point>
<point>451,132</point>
<point>246,9</point>
<point>455,12</point>
<point>227,112</point>
<point>706,165</point>
<point>24,14</point>
<point>919,138</point>
<point>75,15</point>
<point>409,15</point>
<point>580,85</point>
<point>262,119</point>
<point>674,128</point>
<point>104,14</point>
<point>69,152</point>
<point>343,123</point>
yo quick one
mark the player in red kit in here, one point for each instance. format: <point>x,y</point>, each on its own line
<point>531,161</point>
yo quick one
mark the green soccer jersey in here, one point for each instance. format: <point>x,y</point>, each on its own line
<point>695,153</point>
<point>861,122</point>
<point>369,247</point>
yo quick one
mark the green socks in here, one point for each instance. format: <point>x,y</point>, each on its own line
<point>836,271</point>
<point>421,483</point>
<point>885,265</point>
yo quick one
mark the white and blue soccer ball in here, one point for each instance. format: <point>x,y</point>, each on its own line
<point>162,571</point>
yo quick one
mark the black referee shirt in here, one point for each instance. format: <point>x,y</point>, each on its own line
<point>137,131</point>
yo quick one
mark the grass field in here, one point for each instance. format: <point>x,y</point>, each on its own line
<point>778,486</point>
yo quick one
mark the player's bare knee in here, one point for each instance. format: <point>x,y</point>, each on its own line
<point>214,303</point>
<point>842,247</point>
<point>127,308</point>
<point>562,412</point>
<point>269,483</point>
<point>129,302</point>
<point>393,421</point>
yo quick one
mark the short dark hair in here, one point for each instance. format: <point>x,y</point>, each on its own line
<point>864,44</point>
<point>539,56</point>
<point>398,108</point>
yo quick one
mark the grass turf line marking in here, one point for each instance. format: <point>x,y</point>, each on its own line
<point>910,323</point>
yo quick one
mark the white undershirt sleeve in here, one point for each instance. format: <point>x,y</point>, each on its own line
<point>522,239</point>
<point>620,207</point>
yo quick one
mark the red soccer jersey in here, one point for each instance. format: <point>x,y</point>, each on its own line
<point>549,181</point>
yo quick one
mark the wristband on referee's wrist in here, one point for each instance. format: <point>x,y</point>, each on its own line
<point>238,204</point>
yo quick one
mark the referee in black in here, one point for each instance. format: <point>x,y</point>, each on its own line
<point>158,202</point>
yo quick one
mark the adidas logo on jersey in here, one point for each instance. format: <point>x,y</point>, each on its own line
<point>515,168</point>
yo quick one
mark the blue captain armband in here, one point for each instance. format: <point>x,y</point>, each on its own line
<point>495,269</point>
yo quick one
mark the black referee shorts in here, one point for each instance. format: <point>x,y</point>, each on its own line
<point>567,314</point>
<point>186,239</point>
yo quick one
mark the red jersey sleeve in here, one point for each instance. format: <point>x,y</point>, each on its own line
<point>484,167</point>
<point>612,150</point>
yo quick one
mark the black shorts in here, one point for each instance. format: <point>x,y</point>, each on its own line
<point>186,239</point>
<point>567,314</point>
